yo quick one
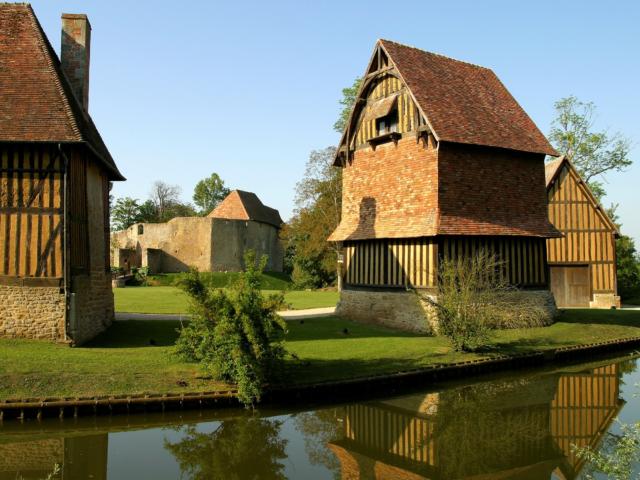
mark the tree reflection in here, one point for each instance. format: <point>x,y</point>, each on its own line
<point>241,448</point>
<point>320,428</point>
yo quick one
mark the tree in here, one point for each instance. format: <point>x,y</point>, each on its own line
<point>233,333</point>
<point>209,192</point>
<point>318,206</point>
<point>348,100</point>
<point>627,261</point>
<point>164,196</point>
<point>148,212</point>
<point>124,213</point>
<point>593,153</point>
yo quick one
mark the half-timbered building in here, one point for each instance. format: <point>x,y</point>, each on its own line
<point>582,263</point>
<point>55,176</point>
<point>439,161</point>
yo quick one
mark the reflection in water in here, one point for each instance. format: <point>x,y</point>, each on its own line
<point>244,447</point>
<point>510,428</point>
<point>515,429</point>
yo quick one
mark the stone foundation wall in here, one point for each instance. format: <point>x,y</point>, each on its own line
<point>94,310</point>
<point>605,300</point>
<point>32,312</point>
<point>398,309</point>
<point>404,310</point>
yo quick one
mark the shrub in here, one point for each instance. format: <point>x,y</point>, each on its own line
<point>617,456</point>
<point>474,297</point>
<point>235,334</point>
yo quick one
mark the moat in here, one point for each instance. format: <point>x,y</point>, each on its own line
<point>507,426</point>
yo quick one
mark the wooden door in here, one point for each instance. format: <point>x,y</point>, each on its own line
<point>570,285</point>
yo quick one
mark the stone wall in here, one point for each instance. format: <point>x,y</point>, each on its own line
<point>397,309</point>
<point>405,310</point>
<point>231,238</point>
<point>32,312</point>
<point>605,300</point>
<point>208,244</point>
<point>184,241</point>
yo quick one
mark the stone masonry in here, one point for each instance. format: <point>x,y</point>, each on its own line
<point>32,312</point>
<point>405,310</point>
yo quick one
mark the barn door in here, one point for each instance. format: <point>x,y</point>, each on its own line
<point>570,285</point>
<point>31,212</point>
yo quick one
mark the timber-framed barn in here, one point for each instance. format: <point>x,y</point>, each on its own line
<point>582,263</point>
<point>55,280</point>
<point>439,160</point>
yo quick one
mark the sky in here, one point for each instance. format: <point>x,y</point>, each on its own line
<point>248,89</point>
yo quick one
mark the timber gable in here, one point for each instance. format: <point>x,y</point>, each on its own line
<point>583,260</point>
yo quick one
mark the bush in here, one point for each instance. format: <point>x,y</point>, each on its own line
<point>140,277</point>
<point>234,334</point>
<point>474,298</point>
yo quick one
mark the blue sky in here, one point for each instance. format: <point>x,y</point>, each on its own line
<point>248,89</point>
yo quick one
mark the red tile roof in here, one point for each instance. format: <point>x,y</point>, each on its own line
<point>241,205</point>
<point>465,103</point>
<point>37,101</point>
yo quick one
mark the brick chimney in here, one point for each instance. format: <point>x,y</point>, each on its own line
<point>74,54</point>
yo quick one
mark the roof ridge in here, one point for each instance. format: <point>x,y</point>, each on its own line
<point>50,55</point>
<point>446,57</point>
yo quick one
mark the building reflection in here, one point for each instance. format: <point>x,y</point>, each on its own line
<point>36,456</point>
<point>512,428</point>
<point>520,429</point>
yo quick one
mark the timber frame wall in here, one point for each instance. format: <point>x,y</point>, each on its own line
<point>589,236</point>
<point>402,263</point>
<point>31,214</point>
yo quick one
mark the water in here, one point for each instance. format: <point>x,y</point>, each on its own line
<point>514,426</point>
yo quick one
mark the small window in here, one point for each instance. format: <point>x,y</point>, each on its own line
<point>140,229</point>
<point>387,124</point>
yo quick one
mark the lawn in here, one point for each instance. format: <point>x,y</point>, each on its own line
<point>268,280</point>
<point>173,300</point>
<point>135,356</point>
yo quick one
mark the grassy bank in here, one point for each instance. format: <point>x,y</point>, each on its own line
<point>135,357</point>
<point>173,300</point>
<point>268,280</point>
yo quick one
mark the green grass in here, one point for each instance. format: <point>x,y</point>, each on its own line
<point>135,357</point>
<point>268,280</point>
<point>173,300</point>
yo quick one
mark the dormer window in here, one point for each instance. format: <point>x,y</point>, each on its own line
<point>385,114</point>
<point>388,123</point>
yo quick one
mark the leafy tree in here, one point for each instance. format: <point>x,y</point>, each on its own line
<point>209,192</point>
<point>241,448</point>
<point>627,262</point>
<point>179,209</point>
<point>233,334</point>
<point>310,258</point>
<point>124,213</point>
<point>593,153</point>
<point>163,197</point>
<point>318,206</point>
<point>148,212</point>
<point>348,100</point>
